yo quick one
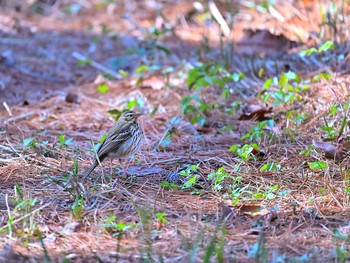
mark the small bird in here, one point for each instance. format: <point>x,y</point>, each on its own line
<point>122,140</point>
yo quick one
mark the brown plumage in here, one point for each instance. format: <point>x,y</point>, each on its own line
<point>122,140</point>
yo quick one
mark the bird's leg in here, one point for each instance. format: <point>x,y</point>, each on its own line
<point>111,172</point>
<point>127,165</point>
<point>122,164</point>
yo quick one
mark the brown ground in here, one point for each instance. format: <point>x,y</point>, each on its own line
<point>45,94</point>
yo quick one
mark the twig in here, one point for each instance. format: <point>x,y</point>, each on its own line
<point>19,117</point>
<point>170,126</point>
<point>219,18</point>
<point>7,108</point>
<point>5,148</point>
<point>97,65</point>
<point>13,149</point>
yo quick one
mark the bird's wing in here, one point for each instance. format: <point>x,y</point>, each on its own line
<point>113,142</point>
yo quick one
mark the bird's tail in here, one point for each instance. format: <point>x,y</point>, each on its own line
<point>92,167</point>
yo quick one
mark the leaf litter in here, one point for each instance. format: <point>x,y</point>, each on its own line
<point>49,95</point>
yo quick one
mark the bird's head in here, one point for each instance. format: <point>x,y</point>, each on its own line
<point>130,116</point>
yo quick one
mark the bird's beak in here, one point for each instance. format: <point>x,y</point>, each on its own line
<point>137,115</point>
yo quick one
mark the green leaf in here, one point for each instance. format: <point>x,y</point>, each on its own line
<point>234,148</point>
<point>61,138</point>
<point>291,75</point>
<point>164,49</point>
<point>261,73</point>
<point>283,80</point>
<point>189,183</point>
<point>103,138</point>
<point>308,52</point>
<point>141,68</point>
<point>28,142</point>
<point>77,208</point>
<point>103,88</point>
<point>184,103</point>
<point>69,141</point>
<point>76,167</point>
<point>237,76</point>
<point>131,104</point>
<point>270,167</point>
<point>267,84</point>
<point>326,46</point>
<point>317,165</point>
<point>123,73</point>
<point>84,62</point>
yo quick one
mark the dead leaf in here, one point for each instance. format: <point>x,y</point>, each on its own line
<point>227,213</point>
<point>331,151</point>
<point>250,208</point>
<point>263,41</point>
<point>253,111</point>
<point>186,128</point>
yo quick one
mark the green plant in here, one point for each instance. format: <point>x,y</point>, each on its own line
<point>218,178</point>
<point>24,206</point>
<point>283,90</point>
<point>191,176</point>
<point>342,254</point>
<point>267,195</point>
<point>117,229</point>
<point>161,217</point>
<point>166,138</point>
<point>259,252</point>
<point>203,76</point>
<point>246,152</point>
<point>318,165</point>
<point>271,167</point>
<point>46,253</point>
<point>216,246</point>
<point>77,208</point>
<point>142,70</point>
<point>331,132</point>
<point>260,131</point>
<point>340,235</point>
<point>328,45</point>
<point>64,142</point>
<point>146,220</point>
<point>296,118</point>
<point>103,88</point>
<point>236,190</point>
<point>307,152</point>
<point>30,143</point>
<point>72,9</point>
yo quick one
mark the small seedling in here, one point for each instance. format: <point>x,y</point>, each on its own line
<point>189,173</point>
<point>64,142</point>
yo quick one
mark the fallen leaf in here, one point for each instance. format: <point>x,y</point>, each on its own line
<point>253,111</point>
<point>250,208</point>
<point>227,213</point>
<point>331,151</point>
<point>265,42</point>
<point>186,128</point>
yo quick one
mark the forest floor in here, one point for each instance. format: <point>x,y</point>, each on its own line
<point>246,140</point>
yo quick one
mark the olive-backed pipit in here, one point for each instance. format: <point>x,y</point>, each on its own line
<point>122,140</point>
